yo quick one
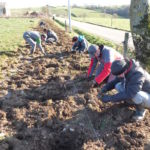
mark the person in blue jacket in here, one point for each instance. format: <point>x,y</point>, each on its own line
<point>79,44</point>
<point>133,86</point>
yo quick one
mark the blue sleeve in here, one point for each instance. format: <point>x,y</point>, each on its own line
<point>111,85</point>
<point>121,96</point>
<point>75,45</point>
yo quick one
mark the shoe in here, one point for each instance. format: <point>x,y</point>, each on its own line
<point>45,54</point>
<point>139,114</point>
<point>32,50</point>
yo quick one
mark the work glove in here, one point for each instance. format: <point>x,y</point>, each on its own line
<point>94,84</point>
<point>105,98</point>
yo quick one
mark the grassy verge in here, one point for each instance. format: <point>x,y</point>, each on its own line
<point>115,23</point>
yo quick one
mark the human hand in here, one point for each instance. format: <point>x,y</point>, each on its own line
<point>105,98</point>
<point>94,84</point>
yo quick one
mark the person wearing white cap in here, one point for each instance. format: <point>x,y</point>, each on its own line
<point>105,56</point>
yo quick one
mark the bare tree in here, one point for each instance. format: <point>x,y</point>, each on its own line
<point>140,28</point>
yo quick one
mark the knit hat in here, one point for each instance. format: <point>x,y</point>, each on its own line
<point>92,50</point>
<point>74,39</point>
<point>118,67</point>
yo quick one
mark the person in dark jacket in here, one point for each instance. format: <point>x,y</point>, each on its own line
<point>34,39</point>
<point>79,44</point>
<point>51,36</point>
<point>103,56</point>
<point>134,87</point>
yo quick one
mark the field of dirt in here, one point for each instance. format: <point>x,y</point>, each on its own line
<point>47,104</point>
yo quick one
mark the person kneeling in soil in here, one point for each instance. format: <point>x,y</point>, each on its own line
<point>79,44</point>
<point>133,86</point>
<point>51,36</point>
<point>105,55</point>
<point>33,38</point>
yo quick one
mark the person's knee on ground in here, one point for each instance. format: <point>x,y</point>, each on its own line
<point>142,98</point>
<point>142,101</point>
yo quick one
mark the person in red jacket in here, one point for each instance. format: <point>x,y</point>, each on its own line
<point>105,56</point>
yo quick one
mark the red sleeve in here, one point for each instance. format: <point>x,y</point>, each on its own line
<point>105,72</point>
<point>90,67</point>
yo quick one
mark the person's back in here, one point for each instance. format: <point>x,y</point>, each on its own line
<point>34,35</point>
<point>134,74</point>
<point>109,54</point>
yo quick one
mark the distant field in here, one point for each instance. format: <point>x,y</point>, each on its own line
<point>91,16</point>
<point>84,15</point>
<point>114,23</point>
<point>11,32</point>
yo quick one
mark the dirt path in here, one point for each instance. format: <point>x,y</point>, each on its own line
<point>47,104</point>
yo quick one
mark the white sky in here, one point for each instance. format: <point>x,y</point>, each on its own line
<point>37,3</point>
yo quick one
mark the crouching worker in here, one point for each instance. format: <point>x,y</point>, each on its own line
<point>51,36</point>
<point>80,44</point>
<point>103,56</point>
<point>33,38</point>
<point>134,88</point>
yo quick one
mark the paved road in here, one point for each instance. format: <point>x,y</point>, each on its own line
<point>117,36</point>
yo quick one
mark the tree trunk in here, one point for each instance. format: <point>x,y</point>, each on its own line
<point>140,28</point>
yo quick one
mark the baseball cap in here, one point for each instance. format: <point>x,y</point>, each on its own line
<point>92,50</point>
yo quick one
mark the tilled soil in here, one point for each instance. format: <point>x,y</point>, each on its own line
<point>47,104</point>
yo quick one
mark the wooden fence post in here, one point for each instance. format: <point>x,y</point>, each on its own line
<point>65,26</point>
<point>125,44</point>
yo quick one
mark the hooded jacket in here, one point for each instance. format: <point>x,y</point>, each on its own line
<point>135,80</point>
<point>106,57</point>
